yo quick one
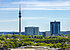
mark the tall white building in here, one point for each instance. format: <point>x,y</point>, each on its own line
<point>31,30</point>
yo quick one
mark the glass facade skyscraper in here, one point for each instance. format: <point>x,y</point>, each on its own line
<point>31,30</point>
<point>55,27</point>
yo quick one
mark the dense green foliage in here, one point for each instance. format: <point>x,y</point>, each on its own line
<point>14,41</point>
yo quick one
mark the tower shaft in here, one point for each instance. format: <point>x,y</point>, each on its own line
<point>20,21</point>
<point>19,26</point>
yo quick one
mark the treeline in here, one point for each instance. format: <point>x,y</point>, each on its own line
<point>14,41</point>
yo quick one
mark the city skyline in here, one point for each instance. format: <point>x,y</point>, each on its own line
<point>38,13</point>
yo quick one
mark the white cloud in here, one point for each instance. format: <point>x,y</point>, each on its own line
<point>41,6</point>
<point>35,18</point>
<point>53,8</point>
<point>38,5</point>
<point>25,18</point>
<point>8,8</point>
<point>8,30</point>
<point>8,20</point>
<point>44,3</point>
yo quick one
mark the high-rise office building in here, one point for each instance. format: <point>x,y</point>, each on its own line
<point>55,27</point>
<point>31,30</point>
<point>19,20</point>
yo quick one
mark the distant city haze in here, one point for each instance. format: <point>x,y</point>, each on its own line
<point>37,13</point>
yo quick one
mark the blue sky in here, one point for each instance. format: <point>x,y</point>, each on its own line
<point>38,13</point>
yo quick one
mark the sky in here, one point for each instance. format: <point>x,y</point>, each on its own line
<point>35,13</point>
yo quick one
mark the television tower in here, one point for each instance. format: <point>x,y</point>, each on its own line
<point>19,19</point>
